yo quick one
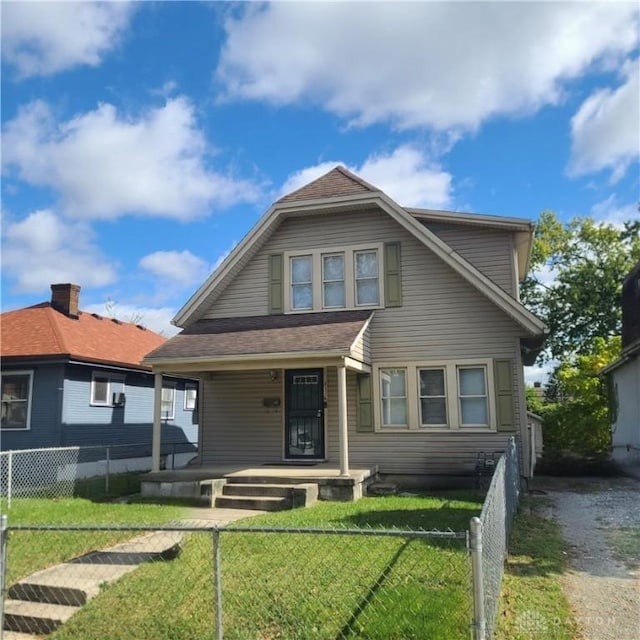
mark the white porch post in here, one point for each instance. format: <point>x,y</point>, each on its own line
<point>157,422</point>
<point>342,421</point>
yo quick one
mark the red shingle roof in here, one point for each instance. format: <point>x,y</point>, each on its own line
<point>40,330</point>
<point>338,182</point>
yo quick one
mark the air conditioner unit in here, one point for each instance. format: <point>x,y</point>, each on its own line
<point>118,399</point>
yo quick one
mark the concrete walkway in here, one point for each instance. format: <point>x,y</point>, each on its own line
<point>41,603</point>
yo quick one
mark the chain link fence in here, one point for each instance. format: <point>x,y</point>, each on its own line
<point>238,583</point>
<point>489,540</point>
<point>54,472</point>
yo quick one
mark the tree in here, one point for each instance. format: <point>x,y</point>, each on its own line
<point>586,262</point>
<point>580,423</point>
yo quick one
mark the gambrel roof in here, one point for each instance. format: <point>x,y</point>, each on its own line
<point>340,190</point>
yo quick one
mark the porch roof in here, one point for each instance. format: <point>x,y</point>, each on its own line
<point>334,332</point>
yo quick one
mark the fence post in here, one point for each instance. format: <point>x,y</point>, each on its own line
<point>479,619</point>
<point>9,478</point>
<point>108,465</point>
<point>3,567</point>
<point>217,581</point>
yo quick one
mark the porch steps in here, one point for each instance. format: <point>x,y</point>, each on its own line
<point>239,494</point>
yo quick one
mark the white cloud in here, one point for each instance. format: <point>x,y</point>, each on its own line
<point>104,164</point>
<point>610,211</point>
<point>42,249</point>
<point>176,267</point>
<point>42,38</point>
<point>406,175</point>
<point>436,64</point>
<point>539,373</point>
<point>157,319</point>
<point>605,131</point>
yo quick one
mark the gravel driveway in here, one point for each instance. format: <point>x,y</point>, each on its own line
<point>600,520</point>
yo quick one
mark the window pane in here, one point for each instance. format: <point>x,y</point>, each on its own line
<point>398,411</point>
<point>166,408</point>
<point>367,292</point>
<point>434,410</point>
<point>302,296</point>
<point>190,398</point>
<point>301,269</point>
<point>432,382</point>
<point>333,268</point>
<point>397,387</point>
<point>474,411</point>
<point>472,382</point>
<point>100,390</point>
<point>334,294</point>
<point>15,401</point>
<point>367,264</point>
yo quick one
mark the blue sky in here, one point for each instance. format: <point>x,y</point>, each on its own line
<point>141,141</point>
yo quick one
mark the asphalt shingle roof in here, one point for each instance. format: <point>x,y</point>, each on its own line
<point>255,335</point>
<point>40,330</point>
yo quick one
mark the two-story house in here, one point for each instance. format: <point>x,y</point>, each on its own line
<point>348,332</point>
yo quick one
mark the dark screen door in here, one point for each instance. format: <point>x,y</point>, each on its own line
<point>304,404</point>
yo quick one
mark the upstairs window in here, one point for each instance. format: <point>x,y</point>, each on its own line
<point>333,281</point>
<point>16,400</point>
<point>366,276</point>
<point>342,278</point>
<point>301,283</point>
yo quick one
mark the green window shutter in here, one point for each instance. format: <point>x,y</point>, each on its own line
<point>276,284</point>
<point>365,417</point>
<point>392,275</point>
<point>503,374</point>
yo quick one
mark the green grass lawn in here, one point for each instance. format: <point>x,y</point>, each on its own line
<point>29,551</point>
<point>532,602</point>
<point>302,586</point>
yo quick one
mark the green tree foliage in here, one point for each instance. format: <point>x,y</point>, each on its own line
<point>586,262</point>
<point>535,403</point>
<point>578,422</point>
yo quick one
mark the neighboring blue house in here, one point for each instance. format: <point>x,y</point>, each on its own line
<point>71,378</point>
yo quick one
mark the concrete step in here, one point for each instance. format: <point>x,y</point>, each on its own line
<point>270,490</point>
<point>237,479</point>
<point>254,502</point>
<point>16,635</point>
<point>35,617</point>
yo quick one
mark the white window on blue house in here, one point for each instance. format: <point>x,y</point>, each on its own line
<point>17,387</point>
<point>168,403</point>
<point>190,396</point>
<point>107,390</point>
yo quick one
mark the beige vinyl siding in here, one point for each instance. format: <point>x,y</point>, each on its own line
<point>489,250</point>
<point>236,427</point>
<point>416,452</point>
<point>361,349</point>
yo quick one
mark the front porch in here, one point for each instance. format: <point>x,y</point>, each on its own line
<point>207,482</point>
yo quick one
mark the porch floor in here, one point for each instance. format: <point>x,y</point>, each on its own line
<point>322,472</point>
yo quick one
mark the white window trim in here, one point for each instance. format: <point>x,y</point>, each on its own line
<point>190,386</point>
<point>110,379</point>
<point>24,372</point>
<point>413,395</point>
<point>172,387</point>
<point>349,277</point>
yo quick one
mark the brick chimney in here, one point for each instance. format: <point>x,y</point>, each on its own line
<point>65,299</point>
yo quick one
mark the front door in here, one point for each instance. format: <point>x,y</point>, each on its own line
<point>304,414</point>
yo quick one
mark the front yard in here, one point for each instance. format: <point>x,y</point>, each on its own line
<point>282,585</point>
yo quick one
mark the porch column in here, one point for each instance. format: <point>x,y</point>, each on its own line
<point>157,422</point>
<point>342,421</point>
